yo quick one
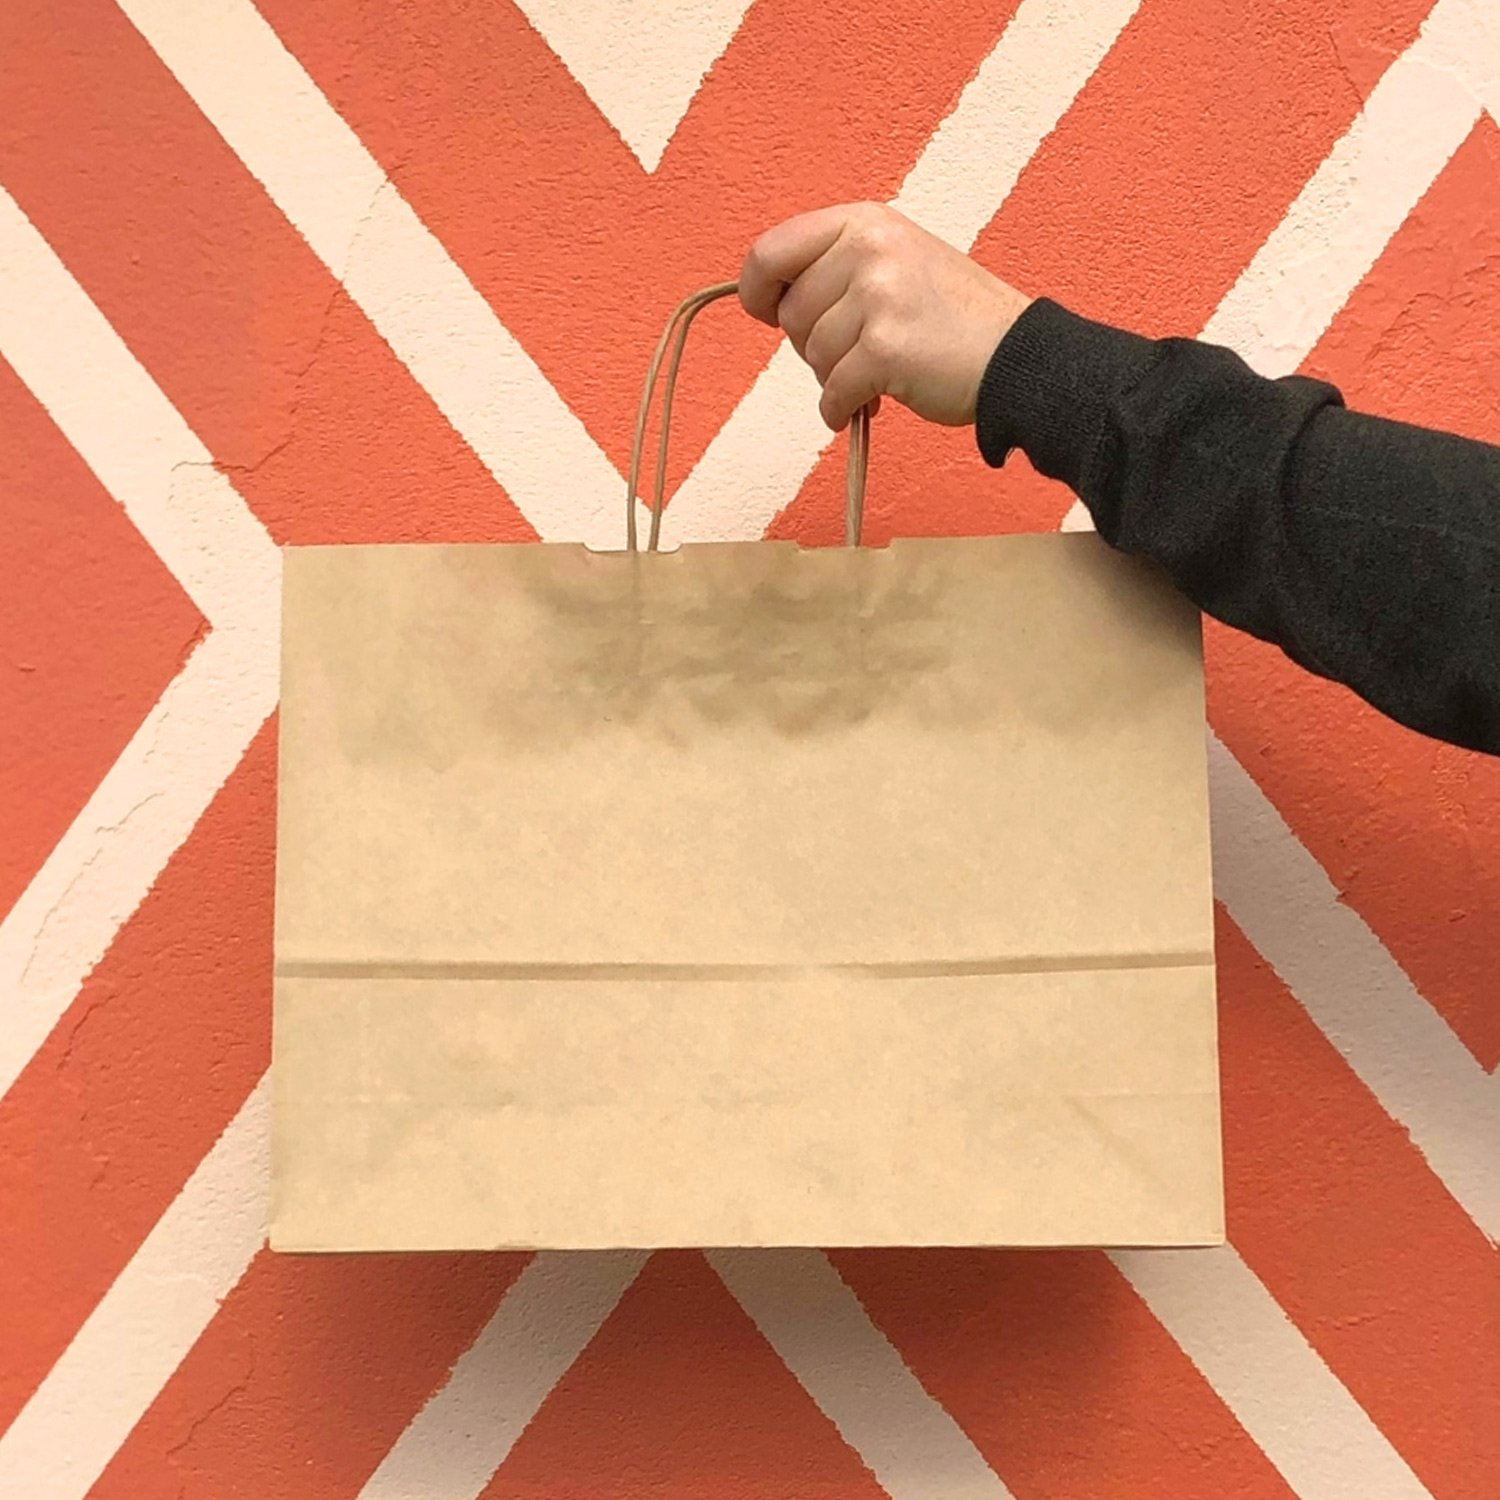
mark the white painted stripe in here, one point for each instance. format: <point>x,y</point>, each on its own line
<point>129,434</point>
<point>543,1323</point>
<point>764,452</point>
<point>1048,52</point>
<point>317,171</point>
<point>642,65</point>
<point>1418,115</point>
<point>152,462</point>
<point>1320,1439</point>
<point>1474,55</point>
<point>756,462</point>
<point>145,1324</point>
<point>148,803</point>
<point>906,1438</point>
<point>1402,1050</point>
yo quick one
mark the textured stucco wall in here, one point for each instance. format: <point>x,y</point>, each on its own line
<point>382,269</point>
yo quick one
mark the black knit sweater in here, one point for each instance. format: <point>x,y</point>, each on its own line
<point>1368,550</point>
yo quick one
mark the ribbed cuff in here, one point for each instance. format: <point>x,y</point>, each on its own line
<point>1048,387</point>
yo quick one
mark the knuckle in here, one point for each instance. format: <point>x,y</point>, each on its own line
<point>880,285</point>
<point>872,240</point>
<point>879,344</point>
<point>875,228</point>
<point>871,229</point>
<point>791,315</point>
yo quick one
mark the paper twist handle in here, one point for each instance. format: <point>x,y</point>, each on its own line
<point>675,335</point>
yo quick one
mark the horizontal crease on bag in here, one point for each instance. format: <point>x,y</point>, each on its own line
<point>733,973</point>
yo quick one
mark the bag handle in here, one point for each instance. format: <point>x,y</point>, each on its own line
<point>675,333</point>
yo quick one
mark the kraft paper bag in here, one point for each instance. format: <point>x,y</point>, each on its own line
<point>742,895</point>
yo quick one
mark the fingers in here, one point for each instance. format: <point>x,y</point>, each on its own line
<point>834,334</point>
<point>854,381</point>
<point>822,277</point>
<point>782,254</point>
<point>811,297</point>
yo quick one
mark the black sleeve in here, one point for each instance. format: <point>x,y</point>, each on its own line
<point>1368,550</point>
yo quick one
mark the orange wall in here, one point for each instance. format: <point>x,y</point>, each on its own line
<point>382,270</point>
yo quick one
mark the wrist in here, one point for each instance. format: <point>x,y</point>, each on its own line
<point>1049,386</point>
<point>1008,307</point>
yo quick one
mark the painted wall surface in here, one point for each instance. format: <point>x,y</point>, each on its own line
<point>388,269</point>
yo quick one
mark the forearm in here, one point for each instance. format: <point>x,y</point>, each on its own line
<point>1368,550</point>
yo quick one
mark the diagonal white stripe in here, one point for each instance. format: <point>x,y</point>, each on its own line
<point>1341,221</point>
<point>1347,212</point>
<point>1465,44</point>
<point>151,461</point>
<point>138,816</point>
<point>140,1331</point>
<point>642,65</point>
<point>1476,55</point>
<point>768,447</point>
<point>1048,52</point>
<point>1320,1439</point>
<point>316,170</point>
<point>543,1323</point>
<point>129,434</point>
<point>1403,1051</point>
<point>824,1336</point>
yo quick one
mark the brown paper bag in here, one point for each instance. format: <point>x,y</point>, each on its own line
<point>742,895</point>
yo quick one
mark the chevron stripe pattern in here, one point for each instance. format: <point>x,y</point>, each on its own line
<point>379,270</point>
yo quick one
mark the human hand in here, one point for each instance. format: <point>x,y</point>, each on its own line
<point>877,306</point>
